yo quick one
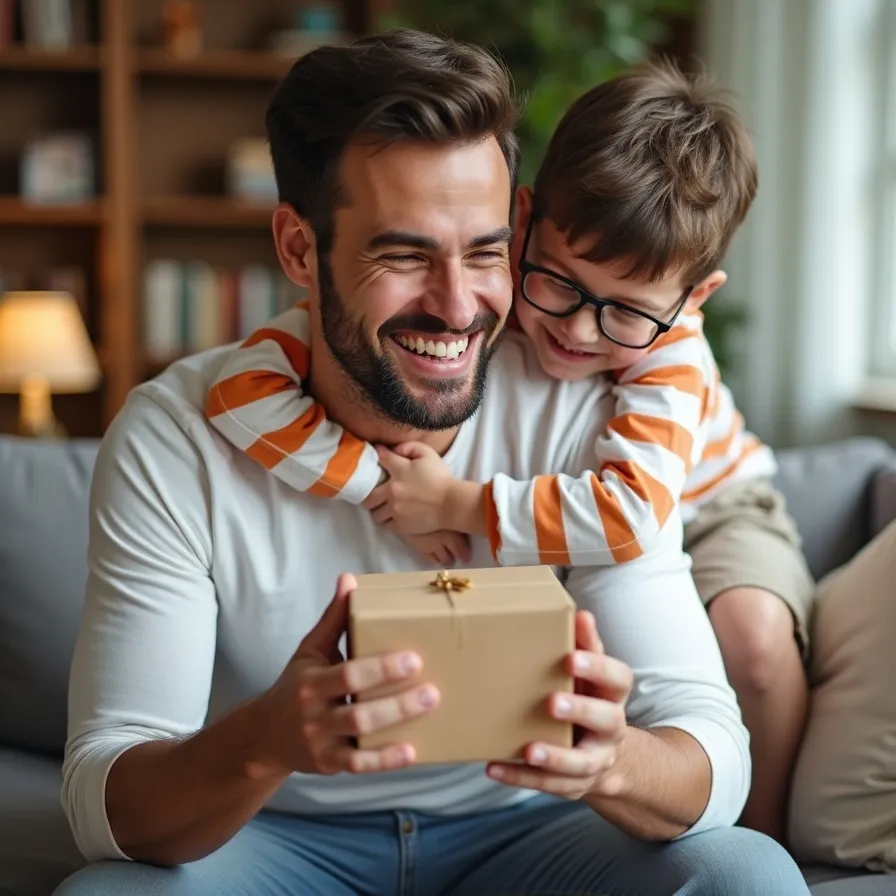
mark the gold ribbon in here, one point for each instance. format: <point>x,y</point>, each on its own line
<point>451,585</point>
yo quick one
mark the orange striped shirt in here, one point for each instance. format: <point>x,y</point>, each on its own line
<point>674,441</point>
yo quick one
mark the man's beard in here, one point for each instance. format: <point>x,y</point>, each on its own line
<point>448,402</point>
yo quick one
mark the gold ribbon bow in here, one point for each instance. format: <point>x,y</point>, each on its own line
<point>450,585</point>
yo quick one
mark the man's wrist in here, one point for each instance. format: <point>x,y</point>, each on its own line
<point>259,761</point>
<point>464,508</point>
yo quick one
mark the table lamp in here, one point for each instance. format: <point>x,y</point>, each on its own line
<point>44,348</point>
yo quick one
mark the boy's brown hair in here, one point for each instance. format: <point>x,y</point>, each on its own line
<point>654,166</point>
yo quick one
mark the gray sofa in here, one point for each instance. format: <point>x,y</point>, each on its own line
<point>43,536</point>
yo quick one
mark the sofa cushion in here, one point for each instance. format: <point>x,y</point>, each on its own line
<point>828,492</point>
<point>37,850</point>
<point>844,790</point>
<point>44,491</point>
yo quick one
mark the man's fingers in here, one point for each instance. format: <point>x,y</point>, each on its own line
<point>349,759</point>
<point>591,757</point>
<point>324,683</point>
<point>611,678</point>
<point>529,778</point>
<point>587,637</point>
<point>374,715</point>
<point>323,640</point>
<point>604,718</point>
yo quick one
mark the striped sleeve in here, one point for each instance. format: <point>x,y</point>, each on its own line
<point>616,512</point>
<point>257,404</point>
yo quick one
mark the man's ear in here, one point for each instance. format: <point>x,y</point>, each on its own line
<point>705,288</point>
<point>295,243</point>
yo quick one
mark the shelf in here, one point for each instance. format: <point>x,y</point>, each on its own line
<point>75,59</point>
<point>18,212</point>
<point>228,64</point>
<point>220,213</point>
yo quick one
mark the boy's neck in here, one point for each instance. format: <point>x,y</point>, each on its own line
<point>346,404</point>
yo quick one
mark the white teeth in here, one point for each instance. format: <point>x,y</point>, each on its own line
<point>446,350</point>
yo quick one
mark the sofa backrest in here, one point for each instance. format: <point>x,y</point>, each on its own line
<point>44,493</point>
<point>836,495</point>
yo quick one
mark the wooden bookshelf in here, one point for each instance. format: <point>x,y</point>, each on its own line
<point>25,59</point>
<point>162,126</point>
<point>231,65</point>
<point>15,212</point>
<point>205,212</point>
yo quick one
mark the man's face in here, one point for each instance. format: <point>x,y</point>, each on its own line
<point>573,348</point>
<point>417,286</point>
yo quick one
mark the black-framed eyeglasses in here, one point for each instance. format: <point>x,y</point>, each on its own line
<point>558,296</point>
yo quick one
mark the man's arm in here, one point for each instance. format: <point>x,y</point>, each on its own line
<point>683,765</point>
<point>141,673</point>
<point>142,778</point>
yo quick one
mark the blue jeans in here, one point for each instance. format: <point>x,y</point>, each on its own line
<point>547,847</point>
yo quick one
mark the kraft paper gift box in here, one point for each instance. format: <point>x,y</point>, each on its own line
<point>493,641</point>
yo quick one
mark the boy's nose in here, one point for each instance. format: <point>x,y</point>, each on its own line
<point>582,328</point>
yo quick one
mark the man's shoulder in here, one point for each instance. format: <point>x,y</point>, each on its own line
<point>165,415</point>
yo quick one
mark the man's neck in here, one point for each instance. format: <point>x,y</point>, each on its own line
<point>346,404</point>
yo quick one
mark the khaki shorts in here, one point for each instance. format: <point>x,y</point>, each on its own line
<point>745,538</point>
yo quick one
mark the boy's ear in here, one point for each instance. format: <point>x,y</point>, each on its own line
<point>296,245</point>
<point>705,288</point>
<point>523,210</point>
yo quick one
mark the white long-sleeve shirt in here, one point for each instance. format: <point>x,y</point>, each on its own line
<point>206,571</point>
<point>673,440</point>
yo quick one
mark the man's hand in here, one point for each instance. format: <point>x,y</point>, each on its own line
<point>442,548</point>
<point>597,709</point>
<point>305,723</point>
<point>413,499</point>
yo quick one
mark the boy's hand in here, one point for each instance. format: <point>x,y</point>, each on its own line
<point>412,500</point>
<point>443,548</point>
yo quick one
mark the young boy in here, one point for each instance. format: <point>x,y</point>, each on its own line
<point>645,181</point>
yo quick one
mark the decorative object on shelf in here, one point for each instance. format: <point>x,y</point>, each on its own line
<point>314,24</point>
<point>250,171</point>
<point>58,168</point>
<point>182,25</point>
<point>44,348</point>
<point>47,24</point>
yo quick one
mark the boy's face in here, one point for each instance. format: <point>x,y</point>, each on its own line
<point>573,347</point>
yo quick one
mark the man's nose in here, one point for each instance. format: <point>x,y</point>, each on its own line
<point>451,297</point>
<point>582,327</point>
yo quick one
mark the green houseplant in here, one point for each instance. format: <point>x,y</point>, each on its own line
<point>555,49</point>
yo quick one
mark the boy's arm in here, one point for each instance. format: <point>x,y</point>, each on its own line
<point>257,404</point>
<point>616,512</point>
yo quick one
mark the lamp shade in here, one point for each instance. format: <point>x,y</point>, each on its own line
<point>42,334</point>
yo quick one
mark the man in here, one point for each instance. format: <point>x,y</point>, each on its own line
<point>207,683</point>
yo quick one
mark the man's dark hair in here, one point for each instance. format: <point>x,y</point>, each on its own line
<point>655,167</point>
<point>397,85</point>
